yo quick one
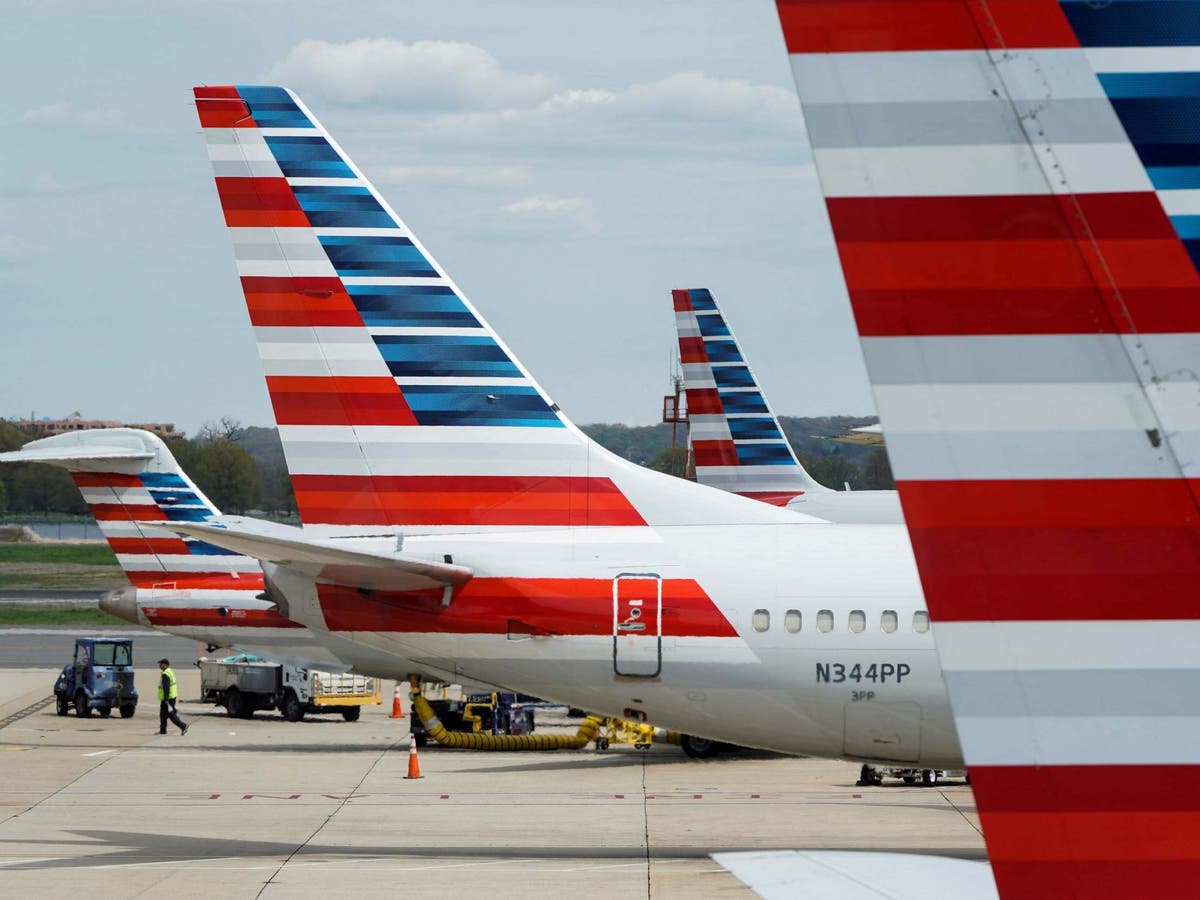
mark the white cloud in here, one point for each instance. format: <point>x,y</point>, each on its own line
<point>697,96</point>
<point>424,74</point>
<point>12,248</point>
<point>46,183</point>
<point>64,113</point>
<point>458,176</point>
<point>685,109</point>
<point>544,205</point>
<point>55,112</point>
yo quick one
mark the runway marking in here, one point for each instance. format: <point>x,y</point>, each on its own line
<point>99,752</point>
<point>27,711</point>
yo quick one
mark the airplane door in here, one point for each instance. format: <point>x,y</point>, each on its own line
<point>637,625</point>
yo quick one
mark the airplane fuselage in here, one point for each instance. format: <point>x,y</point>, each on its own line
<point>819,630</point>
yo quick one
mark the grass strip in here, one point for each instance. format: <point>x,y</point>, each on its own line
<point>15,614</point>
<point>99,554</point>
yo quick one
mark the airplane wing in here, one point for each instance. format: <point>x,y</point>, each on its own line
<point>289,546</point>
<point>1012,186</point>
<point>850,875</point>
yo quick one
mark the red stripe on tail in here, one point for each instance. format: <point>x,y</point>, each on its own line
<point>260,203</point>
<point>304,400</point>
<point>462,500</point>
<point>855,26</point>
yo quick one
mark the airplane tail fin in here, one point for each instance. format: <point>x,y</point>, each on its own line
<point>397,404</point>
<point>737,443</point>
<point>128,476</point>
<point>1013,191</point>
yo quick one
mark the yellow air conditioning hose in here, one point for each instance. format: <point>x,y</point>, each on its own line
<point>482,741</point>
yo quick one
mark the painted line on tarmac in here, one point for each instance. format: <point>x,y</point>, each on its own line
<point>376,864</point>
<point>27,711</point>
<point>99,752</point>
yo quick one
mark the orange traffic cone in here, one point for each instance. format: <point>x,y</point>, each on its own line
<point>397,712</point>
<point>414,766</point>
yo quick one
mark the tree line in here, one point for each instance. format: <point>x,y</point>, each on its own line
<point>242,469</point>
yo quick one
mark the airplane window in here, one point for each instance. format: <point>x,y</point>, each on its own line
<point>791,620</point>
<point>920,621</point>
<point>761,620</point>
<point>825,620</point>
<point>858,620</point>
<point>888,621</point>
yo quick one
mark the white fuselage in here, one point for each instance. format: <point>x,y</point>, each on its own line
<point>771,655</point>
<point>850,507</point>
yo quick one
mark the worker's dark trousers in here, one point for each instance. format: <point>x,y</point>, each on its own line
<point>166,710</point>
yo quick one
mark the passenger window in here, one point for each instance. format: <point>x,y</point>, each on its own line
<point>761,620</point>
<point>825,620</point>
<point>920,621</point>
<point>888,621</point>
<point>858,620</point>
<point>791,620</point>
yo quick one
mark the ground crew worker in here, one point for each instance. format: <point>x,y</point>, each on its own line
<point>168,693</point>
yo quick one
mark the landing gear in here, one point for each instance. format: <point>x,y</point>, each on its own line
<point>929,777</point>
<point>869,777</point>
<point>699,748</point>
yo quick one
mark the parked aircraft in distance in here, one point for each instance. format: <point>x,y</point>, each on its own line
<point>737,443</point>
<point>184,587</point>
<point>1013,190</point>
<point>455,517</point>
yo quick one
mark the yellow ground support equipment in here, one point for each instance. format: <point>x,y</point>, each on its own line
<point>482,741</point>
<point>640,734</point>
<point>344,690</point>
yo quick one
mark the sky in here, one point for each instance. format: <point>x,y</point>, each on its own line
<point>568,163</point>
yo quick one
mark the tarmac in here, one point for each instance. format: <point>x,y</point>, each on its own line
<point>265,808</point>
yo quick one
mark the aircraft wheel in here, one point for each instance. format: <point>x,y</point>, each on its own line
<point>698,747</point>
<point>82,710</point>
<point>929,777</point>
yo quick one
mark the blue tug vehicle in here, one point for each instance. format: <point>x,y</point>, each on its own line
<point>100,678</point>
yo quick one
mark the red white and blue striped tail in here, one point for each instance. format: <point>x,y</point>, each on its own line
<point>397,404</point>
<point>737,444</point>
<point>1014,186</point>
<point>128,476</point>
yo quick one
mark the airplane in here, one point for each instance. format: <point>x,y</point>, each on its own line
<point>454,516</point>
<point>1013,191</point>
<point>737,442</point>
<point>184,587</point>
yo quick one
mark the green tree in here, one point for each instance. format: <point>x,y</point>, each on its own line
<point>877,471</point>
<point>227,474</point>
<point>672,460</point>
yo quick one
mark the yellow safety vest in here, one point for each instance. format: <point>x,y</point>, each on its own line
<point>174,692</point>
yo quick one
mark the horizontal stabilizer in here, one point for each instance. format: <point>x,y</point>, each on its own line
<point>287,545</point>
<point>848,875</point>
<point>73,453</point>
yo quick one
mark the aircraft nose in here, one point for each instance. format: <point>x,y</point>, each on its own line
<point>122,604</point>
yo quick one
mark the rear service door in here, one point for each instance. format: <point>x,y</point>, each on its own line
<point>637,625</point>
